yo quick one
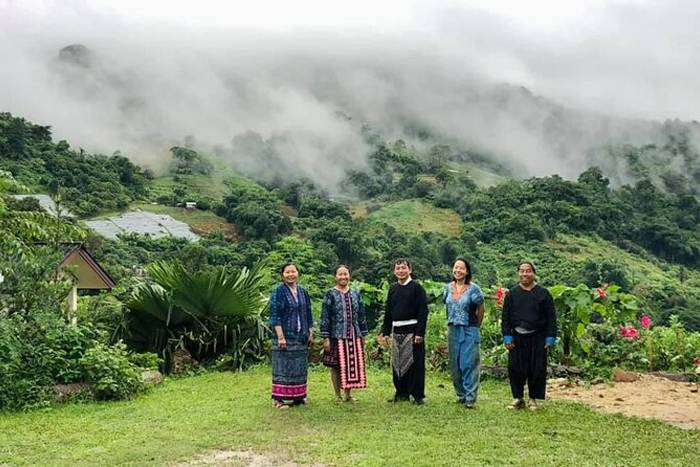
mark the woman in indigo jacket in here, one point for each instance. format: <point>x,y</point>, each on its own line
<point>465,312</point>
<point>343,329</point>
<point>291,322</point>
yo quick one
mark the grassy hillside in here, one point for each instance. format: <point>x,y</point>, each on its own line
<point>195,186</point>
<point>418,216</point>
<point>645,269</point>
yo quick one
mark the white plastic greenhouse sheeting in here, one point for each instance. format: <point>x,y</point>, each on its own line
<point>142,223</point>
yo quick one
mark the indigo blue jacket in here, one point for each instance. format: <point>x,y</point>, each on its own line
<point>334,322</point>
<point>294,315</point>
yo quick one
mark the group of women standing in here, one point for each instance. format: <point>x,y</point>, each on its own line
<point>344,328</point>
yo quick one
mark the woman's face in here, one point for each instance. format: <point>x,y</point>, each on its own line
<point>459,270</point>
<point>290,275</point>
<point>402,271</point>
<point>342,277</point>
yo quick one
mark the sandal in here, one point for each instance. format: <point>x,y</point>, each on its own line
<point>279,405</point>
<point>532,405</point>
<point>517,404</point>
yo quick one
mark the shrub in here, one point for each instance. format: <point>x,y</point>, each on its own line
<point>111,372</point>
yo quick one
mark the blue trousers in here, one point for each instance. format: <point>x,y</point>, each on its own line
<point>465,360</point>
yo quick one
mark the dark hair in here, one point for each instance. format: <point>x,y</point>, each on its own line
<point>468,277</point>
<point>529,264</point>
<point>287,264</point>
<point>341,266</point>
<point>402,261</point>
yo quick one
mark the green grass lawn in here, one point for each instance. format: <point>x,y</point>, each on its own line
<point>231,411</point>
<point>416,215</point>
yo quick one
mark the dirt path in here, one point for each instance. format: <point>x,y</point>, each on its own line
<point>237,459</point>
<point>677,403</point>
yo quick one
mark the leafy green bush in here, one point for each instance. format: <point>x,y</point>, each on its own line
<point>111,372</point>
<point>45,350</point>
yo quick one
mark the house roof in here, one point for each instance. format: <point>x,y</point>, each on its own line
<point>88,272</point>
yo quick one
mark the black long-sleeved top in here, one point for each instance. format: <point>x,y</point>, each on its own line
<point>406,302</point>
<point>529,309</point>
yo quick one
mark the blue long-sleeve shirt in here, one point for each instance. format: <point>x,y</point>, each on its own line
<point>293,314</point>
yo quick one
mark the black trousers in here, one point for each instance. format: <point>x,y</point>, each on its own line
<point>527,362</point>
<point>412,383</point>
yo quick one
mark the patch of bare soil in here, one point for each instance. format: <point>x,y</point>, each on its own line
<point>677,403</point>
<point>237,459</point>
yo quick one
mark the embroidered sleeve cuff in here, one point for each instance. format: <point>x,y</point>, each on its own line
<point>508,339</point>
<point>550,340</point>
<point>364,333</point>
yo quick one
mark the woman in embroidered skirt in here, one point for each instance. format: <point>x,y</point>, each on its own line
<point>465,312</point>
<point>291,322</point>
<point>343,329</point>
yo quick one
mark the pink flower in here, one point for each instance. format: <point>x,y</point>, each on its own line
<point>646,321</point>
<point>601,293</point>
<point>500,294</point>
<point>628,332</point>
<point>697,361</point>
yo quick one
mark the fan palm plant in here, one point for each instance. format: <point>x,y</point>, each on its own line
<point>207,313</point>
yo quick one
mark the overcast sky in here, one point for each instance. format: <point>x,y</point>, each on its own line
<point>213,69</point>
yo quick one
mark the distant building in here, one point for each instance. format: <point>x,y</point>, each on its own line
<point>86,273</point>
<point>190,204</point>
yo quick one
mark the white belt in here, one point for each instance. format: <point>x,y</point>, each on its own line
<point>406,322</point>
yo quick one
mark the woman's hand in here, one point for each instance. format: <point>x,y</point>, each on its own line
<point>417,340</point>
<point>327,344</point>
<point>510,345</point>
<point>384,340</point>
<point>281,343</point>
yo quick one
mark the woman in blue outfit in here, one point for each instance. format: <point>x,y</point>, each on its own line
<point>292,333</point>
<point>343,329</point>
<point>465,312</point>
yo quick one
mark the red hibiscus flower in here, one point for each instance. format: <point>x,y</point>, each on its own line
<point>628,332</point>
<point>646,321</point>
<point>601,293</point>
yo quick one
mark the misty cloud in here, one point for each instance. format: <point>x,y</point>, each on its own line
<point>275,101</point>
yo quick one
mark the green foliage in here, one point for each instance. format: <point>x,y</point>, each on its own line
<point>111,372</point>
<point>255,212</point>
<point>207,312</point>
<point>577,306</point>
<point>188,162</point>
<point>417,216</point>
<point>87,183</point>
<point>657,349</point>
<point>42,349</point>
<point>374,300</point>
<point>669,348</point>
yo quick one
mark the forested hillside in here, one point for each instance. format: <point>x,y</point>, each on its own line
<point>430,205</point>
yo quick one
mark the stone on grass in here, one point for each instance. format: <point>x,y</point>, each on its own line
<point>66,392</point>
<point>622,376</point>
<point>152,377</point>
